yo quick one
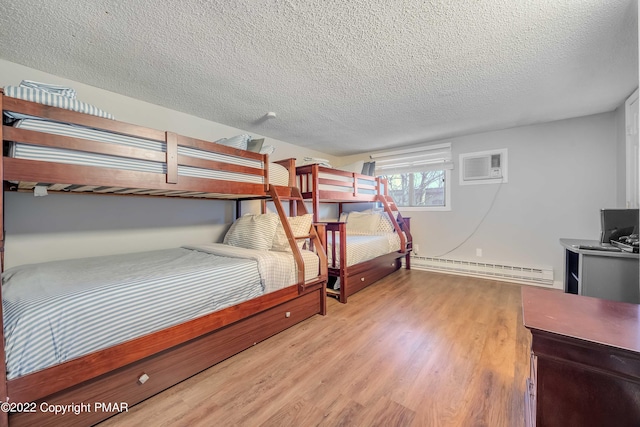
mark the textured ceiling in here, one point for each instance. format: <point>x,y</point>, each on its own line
<point>344,77</point>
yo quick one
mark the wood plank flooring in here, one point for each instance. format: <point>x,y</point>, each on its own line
<point>414,349</point>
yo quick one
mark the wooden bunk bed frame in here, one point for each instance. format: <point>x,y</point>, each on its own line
<point>137,369</point>
<point>361,189</point>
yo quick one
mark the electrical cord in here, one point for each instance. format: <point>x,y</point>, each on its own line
<point>495,196</point>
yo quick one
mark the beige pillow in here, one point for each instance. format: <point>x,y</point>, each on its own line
<point>362,222</point>
<point>300,226</point>
<point>253,231</point>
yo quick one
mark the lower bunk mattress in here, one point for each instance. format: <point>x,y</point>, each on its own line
<point>362,248</point>
<point>60,310</point>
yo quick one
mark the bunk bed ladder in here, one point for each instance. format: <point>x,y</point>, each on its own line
<point>297,208</point>
<point>400,224</point>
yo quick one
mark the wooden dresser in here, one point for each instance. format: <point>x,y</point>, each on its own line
<point>585,360</point>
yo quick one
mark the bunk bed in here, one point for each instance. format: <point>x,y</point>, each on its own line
<point>387,243</point>
<point>49,155</point>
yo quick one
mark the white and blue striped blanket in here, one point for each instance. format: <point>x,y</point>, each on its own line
<point>54,100</point>
<point>51,88</point>
<point>60,310</point>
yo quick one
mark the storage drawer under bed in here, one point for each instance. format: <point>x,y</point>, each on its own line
<point>171,366</point>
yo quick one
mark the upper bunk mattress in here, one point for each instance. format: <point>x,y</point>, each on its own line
<point>278,175</point>
<point>60,310</point>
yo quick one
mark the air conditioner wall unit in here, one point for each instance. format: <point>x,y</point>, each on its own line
<point>483,167</point>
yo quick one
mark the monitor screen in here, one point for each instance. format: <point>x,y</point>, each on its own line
<point>615,223</point>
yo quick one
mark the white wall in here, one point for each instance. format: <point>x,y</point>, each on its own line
<point>560,175</point>
<point>62,226</point>
<point>69,226</point>
<point>621,157</point>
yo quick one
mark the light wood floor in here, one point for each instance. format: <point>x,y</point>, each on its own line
<point>414,349</point>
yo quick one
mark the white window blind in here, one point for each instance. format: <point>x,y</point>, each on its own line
<point>419,159</point>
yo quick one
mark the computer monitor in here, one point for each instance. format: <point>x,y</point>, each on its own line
<point>615,223</point>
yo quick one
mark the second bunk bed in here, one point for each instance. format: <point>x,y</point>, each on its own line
<point>123,328</point>
<point>362,247</point>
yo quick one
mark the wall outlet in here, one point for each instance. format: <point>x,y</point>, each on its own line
<point>478,252</point>
<point>416,249</point>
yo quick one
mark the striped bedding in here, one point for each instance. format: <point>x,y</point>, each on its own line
<point>362,248</point>
<point>50,88</point>
<point>47,98</point>
<point>57,311</point>
<point>278,174</point>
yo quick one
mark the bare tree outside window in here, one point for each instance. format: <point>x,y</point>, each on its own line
<point>418,188</point>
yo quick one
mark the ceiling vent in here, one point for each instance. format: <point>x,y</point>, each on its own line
<point>484,167</point>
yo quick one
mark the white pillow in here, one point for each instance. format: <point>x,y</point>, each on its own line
<point>253,231</point>
<point>316,160</point>
<point>355,167</point>
<point>362,222</point>
<point>238,141</point>
<point>300,226</point>
<point>267,149</point>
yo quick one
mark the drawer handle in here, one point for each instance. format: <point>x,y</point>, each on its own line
<point>287,314</point>
<point>143,378</point>
<point>362,279</point>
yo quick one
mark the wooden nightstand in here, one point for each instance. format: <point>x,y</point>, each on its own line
<point>585,360</point>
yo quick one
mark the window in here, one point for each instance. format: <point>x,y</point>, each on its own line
<point>418,178</point>
<point>418,189</point>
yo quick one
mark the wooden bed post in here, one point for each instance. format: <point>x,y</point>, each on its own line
<point>171,140</point>
<point>290,165</point>
<point>405,225</point>
<point>343,261</point>
<point>265,164</point>
<point>315,171</point>
<point>355,184</point>
<point>4,416</point>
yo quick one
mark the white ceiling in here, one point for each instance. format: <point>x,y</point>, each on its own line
<point>344,77</point>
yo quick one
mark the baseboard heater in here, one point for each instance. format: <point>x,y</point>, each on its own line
<point>510,273</point>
